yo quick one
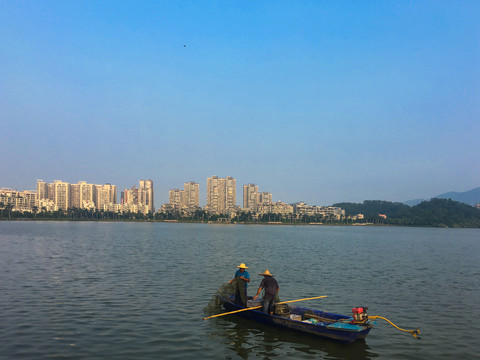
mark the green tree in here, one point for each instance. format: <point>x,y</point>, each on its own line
<point>35,210</point>
<point>8,208</point>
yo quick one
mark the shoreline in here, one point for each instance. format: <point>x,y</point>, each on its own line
<point>270,223</point>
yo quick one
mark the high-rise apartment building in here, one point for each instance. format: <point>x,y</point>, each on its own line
<point>264,198</point>
<point>62,194</point>
<point>75,196</point>
<point>252,198</point>
<point>250,193</point>
<point>105,195</point>
<point>221,194</point>
<point>175,197</point>
<point>130,196</point>
<point>42,189</point>
<point>45,200</point>
<point>192,195</point>
<point>230,193</point>
<point>51,191</point>
<point>186,199</point>
<point>30,197</point>
<point>214,193</point>
<point>87,195</point>
<point>145,195</point>
<point>81,195</point>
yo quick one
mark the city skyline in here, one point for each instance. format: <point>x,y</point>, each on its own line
<point>312,101</point>
<point>84,195</point>
<point>83,199</point>
<point>189,197</point>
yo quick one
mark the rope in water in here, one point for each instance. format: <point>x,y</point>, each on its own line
<point>415,333</point>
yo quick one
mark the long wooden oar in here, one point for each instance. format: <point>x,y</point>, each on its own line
<point>258,307</point>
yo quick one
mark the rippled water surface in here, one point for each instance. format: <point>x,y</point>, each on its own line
<point>93,290</point>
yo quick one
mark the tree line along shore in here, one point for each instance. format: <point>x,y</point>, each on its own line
<point>433,213</point>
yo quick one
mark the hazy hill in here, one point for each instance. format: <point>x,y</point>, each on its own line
<point>470,197</point>
<point>435,212</point>
<point>373,208</point>
<point>413,202</point>
<point>439,212</point>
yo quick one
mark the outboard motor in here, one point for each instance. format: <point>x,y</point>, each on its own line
<point>360,314</point>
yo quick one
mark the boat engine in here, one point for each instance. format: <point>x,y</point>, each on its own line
<point>360,314</point>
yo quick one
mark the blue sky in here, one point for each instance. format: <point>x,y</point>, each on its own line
<point>313,101</point>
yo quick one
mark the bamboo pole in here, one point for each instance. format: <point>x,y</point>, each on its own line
<point>258,307</point>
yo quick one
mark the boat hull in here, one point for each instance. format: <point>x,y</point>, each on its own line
<point>330,328</point>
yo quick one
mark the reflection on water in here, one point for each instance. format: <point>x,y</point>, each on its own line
<point>249,339</point>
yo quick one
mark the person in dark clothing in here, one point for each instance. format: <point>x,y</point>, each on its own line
<point>241,278</point>
<point>270,285</point>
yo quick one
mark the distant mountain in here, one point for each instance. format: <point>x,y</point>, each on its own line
<point>413,202</point>
<point>470,197</point>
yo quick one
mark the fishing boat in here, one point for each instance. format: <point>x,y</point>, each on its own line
<point>328,325</point>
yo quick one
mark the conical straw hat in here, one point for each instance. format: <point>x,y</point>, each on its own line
<point>242,266</point>
<point>266,273</point>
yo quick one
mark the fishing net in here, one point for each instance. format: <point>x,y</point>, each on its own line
<point>227,291</point>
<point>215,305</point>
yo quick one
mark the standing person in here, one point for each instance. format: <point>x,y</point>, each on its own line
<point>271,289</point>
<point>241,278</point>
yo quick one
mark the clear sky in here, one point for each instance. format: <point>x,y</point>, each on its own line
<point>316,101</point>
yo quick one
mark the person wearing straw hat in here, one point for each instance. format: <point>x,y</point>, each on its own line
<point>271,289</point>
<point>241,278</point>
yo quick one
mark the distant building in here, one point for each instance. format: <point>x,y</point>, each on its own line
<point>278,207</point>
<point>42,189</point>
<point>250,194</point>
<point>264,198</point>
<point>19,200</point>
<point>46,205</point>
<point>302,208</point>
<point>192,195</point>
<point>146,197</point>
<point>168,208</point>
<point>175,197</point>
<point>130,196</point>
<point>186,200</point>
<point>105,195</point>
<point>143,197</point>
<point>357,217</point>
<point>221,194</point>
<point>215,194</point>
<point>252,199</point>
<point>61,195</point>
<point>84,195</point>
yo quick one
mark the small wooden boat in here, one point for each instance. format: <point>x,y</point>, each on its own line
<point>321,323</point>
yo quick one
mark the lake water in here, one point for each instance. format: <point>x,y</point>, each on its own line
<point>99,290</point>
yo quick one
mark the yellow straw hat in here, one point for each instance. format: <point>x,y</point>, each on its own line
<point>242,266</point>
<point>266,273</point>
